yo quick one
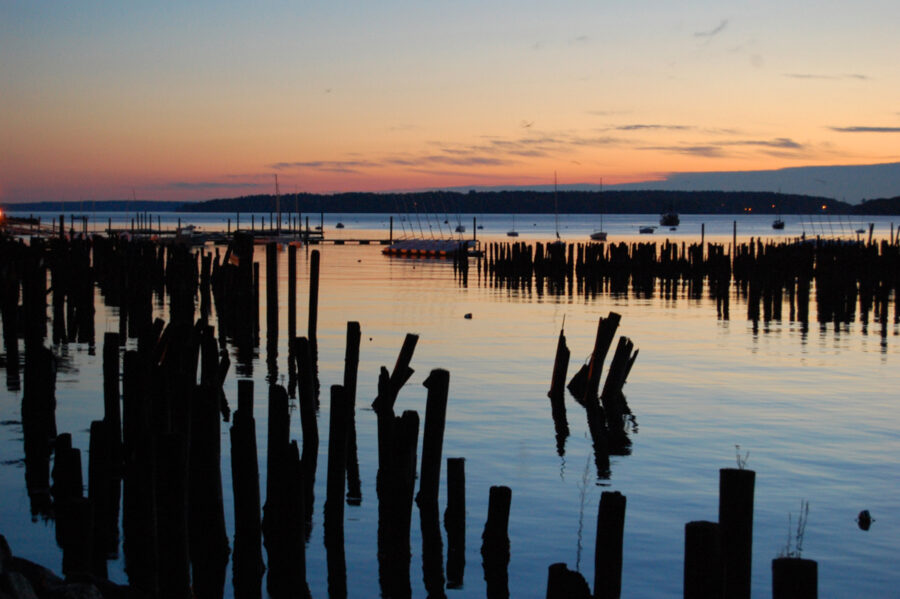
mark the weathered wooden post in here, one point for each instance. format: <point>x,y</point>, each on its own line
<point>334,500</point>
<point>111,407</point>
<point>172,529</point>
<point>736,529</point>
<point>307,401</point>
<point>795,578</point>
<point>608,548</point>
<point>702,560</point>
<point>557,392</point>
<point>437,383</point>
<point>455,522</point>
<point>495,543</point>
<point>248,563</point>
<point>292,319</point>
<point>312,323</point>
<point>351,366</point>
<point>563,583</point>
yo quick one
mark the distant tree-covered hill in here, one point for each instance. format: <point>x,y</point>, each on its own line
<point>498,202</point>
<point>533,202</point>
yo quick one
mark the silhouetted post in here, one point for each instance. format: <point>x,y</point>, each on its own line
<point>337,455</point>
<point>702,561</point>
<point>351,366</point>
<point>495,543</point>
<point>608,549</point>
<point>38,423</point>
<point>733,242</point>
<point>174,562</point>
<point>455,521</point>
<point>736,529</point>
<point>606,330</point>
<point>208,539</point>
<point>795,578</point>
<point>272,310</point>
<point>292,318</point>
<point>67,479</point>
<point>334,500</point>
<point>248,563</point>
<point>111,407</point>
<point>432,549</point>
<point>557,392</point>
<point>307,401</point>
<point>389,386</point>
<point>391,234</point>
<point>103,491</point>
<point>313,299</point>
<point>563,583</point>
<point>76,519</point>
<point>437,383</point>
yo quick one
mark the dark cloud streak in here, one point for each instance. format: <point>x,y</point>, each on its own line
<point>866,129</point>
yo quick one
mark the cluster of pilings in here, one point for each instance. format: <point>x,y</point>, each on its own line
<point>608,415</point>
<point>851,280</point>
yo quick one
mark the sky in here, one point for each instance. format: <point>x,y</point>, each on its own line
<point>198,100</point>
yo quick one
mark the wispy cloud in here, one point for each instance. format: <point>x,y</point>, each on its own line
<point>866,129</point>
<point>706,151</point>
<point>820,76</point>
<point>331,166</point>
<point>484,153</point>
<point>645,127</point>
<point>712,32</point>
<point>784,143</point>
<point>780,146</point>
<point>201,185</point>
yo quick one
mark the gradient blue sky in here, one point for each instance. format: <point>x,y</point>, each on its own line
<point>207,99</point>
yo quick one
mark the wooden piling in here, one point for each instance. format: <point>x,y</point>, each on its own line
<point>736,529</point>
<point>437,383</point>
<point>455,522</point>
<point>172,530</point>
<point>248,563</point>
<point>563,583</point>
<point>495,543</point>
<point>337,456</point>
<point>313,298</point>
<point>351,366</point>
<point>795,578</point>
<point>111,399</point>
<point>608,548</point>
<point>557,392</point>
<point>702,561</point>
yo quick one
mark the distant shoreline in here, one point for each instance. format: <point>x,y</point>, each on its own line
<point>496,202</point>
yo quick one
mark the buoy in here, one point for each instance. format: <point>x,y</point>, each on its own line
<point>865,520</point>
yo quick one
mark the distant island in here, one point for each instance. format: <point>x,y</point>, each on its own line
<point>499,202</point>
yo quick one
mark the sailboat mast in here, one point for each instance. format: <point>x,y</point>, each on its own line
<point>277,206</point>
<point>555,205</point>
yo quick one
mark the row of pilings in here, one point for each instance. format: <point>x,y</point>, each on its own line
<point>852,281</point>
<point>155,454</point>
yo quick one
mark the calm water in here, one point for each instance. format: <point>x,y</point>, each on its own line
<point>814,407</point>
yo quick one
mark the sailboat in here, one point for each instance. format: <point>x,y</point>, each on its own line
<point>512,232</point>
<point>600,234</point>
<point>556,213</point>
<point>777,224</point>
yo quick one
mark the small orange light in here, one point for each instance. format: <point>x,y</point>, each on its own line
<point>824,207</point>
